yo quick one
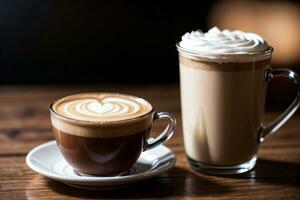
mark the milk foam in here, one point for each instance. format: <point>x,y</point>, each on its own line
<point>226,45</point>
<point>101,107</point>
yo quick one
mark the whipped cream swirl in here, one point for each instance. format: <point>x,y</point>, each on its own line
<point>102,107</point>
<point>224,45</point>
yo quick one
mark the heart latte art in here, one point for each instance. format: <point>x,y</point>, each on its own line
<point>101,107</point>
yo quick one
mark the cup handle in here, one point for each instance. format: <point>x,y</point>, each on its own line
<point>267,130</point>
<point>166,134</point>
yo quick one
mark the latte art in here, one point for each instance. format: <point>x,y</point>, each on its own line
<point>110,107</point>
<point>102,107</point>
<point>225,45</point>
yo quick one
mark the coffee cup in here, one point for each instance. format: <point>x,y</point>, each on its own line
<point>223,81</point>
<point>104,133</point>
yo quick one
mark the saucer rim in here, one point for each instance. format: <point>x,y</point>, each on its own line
<point>108,179</point>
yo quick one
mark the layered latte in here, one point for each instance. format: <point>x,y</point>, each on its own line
<point>223,89</point>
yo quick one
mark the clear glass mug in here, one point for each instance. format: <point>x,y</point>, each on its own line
<point>222,109</point>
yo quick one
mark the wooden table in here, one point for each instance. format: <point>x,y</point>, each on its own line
<point>24,124</point>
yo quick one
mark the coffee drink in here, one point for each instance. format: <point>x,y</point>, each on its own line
<point>223,88</point>
<point>218,98</point>
<point>101,133</point>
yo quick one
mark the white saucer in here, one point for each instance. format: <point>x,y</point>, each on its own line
<point>47,160</point>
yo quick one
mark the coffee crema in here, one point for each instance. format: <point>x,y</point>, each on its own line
<point>101,114</point>
<point>101,107</point>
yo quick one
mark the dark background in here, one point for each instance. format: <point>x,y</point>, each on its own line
<point>55,41</point>
<point>124,42</point>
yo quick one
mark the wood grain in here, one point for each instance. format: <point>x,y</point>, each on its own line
<point>24,123</point>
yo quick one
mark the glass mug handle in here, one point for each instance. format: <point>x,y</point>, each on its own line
<point>267,130</point>
<point>166,134</point>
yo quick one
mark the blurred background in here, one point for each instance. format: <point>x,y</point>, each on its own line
<point>118,41</point>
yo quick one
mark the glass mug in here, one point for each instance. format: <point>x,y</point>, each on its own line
<point>222,110</point>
